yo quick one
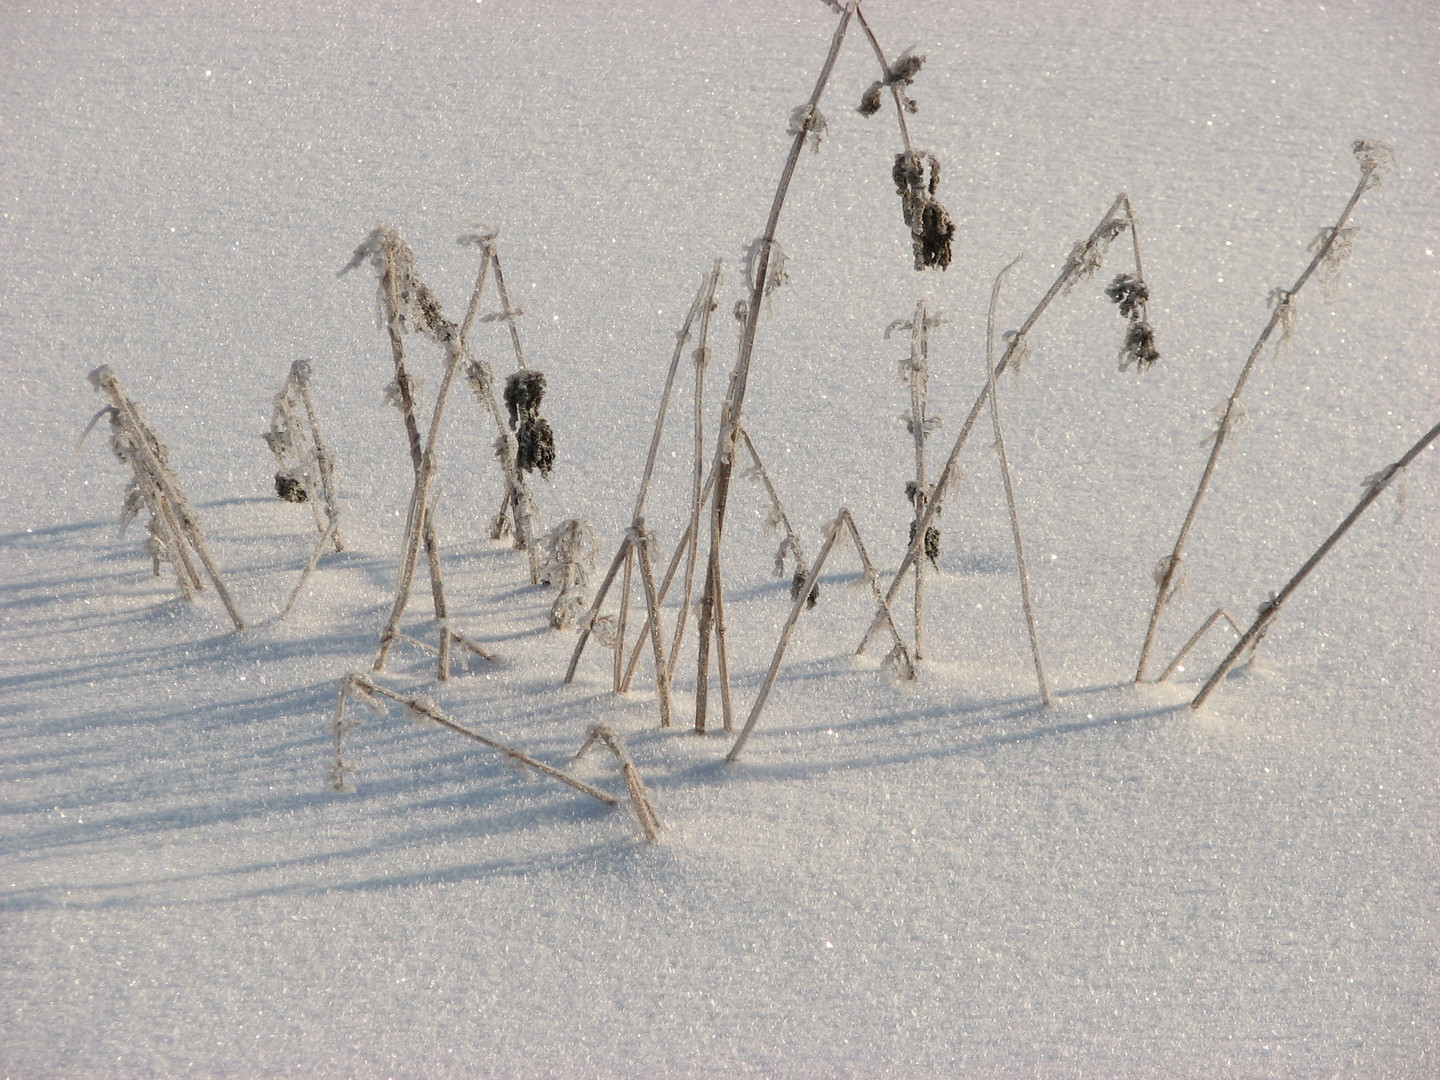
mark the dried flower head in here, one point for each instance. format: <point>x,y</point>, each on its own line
<point>535,446</point>
<point>903,71</point>
<point>810,121</point>
<point>871,101</point>
<point>932,232</point>
<point>524,391</point>
<point>290,488</point>
<point>1376,158</point>
<point>1139,347</point>
<point>1129,292</point>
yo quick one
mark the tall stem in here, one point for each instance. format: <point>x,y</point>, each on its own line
<point>736,400</point>
<point>1170,566</point>
<point>1271,609</point>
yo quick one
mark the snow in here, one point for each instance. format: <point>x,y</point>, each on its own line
<point>933,879</point>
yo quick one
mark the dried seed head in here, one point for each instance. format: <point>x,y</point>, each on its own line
<point>1139,348</point>
<point>797,582</point>
<point>870,103</point>
<point>523,393</point>
<point>535,446</point>
<point>1129,292</point>
<point>932,543</point>
<point>1375,157</point>
<point>290,488</point>
<point>903,71</point>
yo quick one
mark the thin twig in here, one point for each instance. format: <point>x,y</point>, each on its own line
<point>1168,568</point>
<point>1010,487</point>
<point>1271,608</point>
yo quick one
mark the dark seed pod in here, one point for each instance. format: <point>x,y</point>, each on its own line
<point>523,392</point>
<point>1139,348</point>
<point>290,489</point>
<point>1129,292</point>
<point>932,543</point>
<point>870,103</point>
<point>797,582</point>
<point>536,446</point>
<point>934,239</point>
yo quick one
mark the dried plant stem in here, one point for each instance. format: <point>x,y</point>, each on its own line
<point>776,505</point>
<point>162,494</point>
<point>1374,486</point>
<point>331,534</point>
<point>843,521</point>
<point>1013,349</point>
<point>1216,616</point>
<point>894,87</point>
<point>300,373</point>
<point>1025,598</point>
<point>622,620</point>
<point>587,625</point>
<point>652,619</point>
<point>919,385</point>
<point>640,800</point>
<point>389,291</point>
<point>510,313</point>
<point>420,519</point>
<point>1167,571</point>
<point>702,305</point>
<point>425,709</point>
<point>736,399</point>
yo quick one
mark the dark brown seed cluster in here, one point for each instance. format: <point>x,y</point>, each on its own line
<point>290,488</point>
<point>1131,294</point>
<point>535,441</point>
<point>932,232</point>
<point>797,582</point>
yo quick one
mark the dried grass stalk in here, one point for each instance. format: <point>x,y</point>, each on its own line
<point>1195,638</point>
<point>1370,166</point>
<point>1083,260</point>
<point>640,801</point>
<point>1374,486</point>
<point>712,603</point>
<point>845,522</point>
<point>154,487</point>
<point>1005,474</point>
<point>424,710</point>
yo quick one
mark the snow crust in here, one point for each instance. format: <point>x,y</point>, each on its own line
<point>936,879</point>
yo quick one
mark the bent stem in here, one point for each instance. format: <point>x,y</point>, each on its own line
<point>1169,567</point>
<point>1271,608</point>
<point>1010,487</point>
<point>735,402</point>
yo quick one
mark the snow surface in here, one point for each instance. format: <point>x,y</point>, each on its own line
<point>943,879</point>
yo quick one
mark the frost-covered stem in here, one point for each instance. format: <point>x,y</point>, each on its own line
<point>521,502</point>
<point>588,623</point>
<point>652,603</point>
<point>902,654</point>
<point>390,291</point>
<point>795,609</point>
<point>1216,616</point>
<point>323,457</point>
<point>779,507</point>
<point>685,546</point>
<point>1170,566</point>
<point>420,522</point>
<point>427,709</point>
<point>509,312</point>
<point>919,384</point>
<point>183,523</point>
<point>332,533</point>
<point>1271,608</point>
<point>894,94</point>
<point>1010,488</point>
<point>943,481</point>
<point>703,301</point>
<point>698,491</point>
<point>639,796</point>
<point>736,400</point>
<point>626,579</point>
